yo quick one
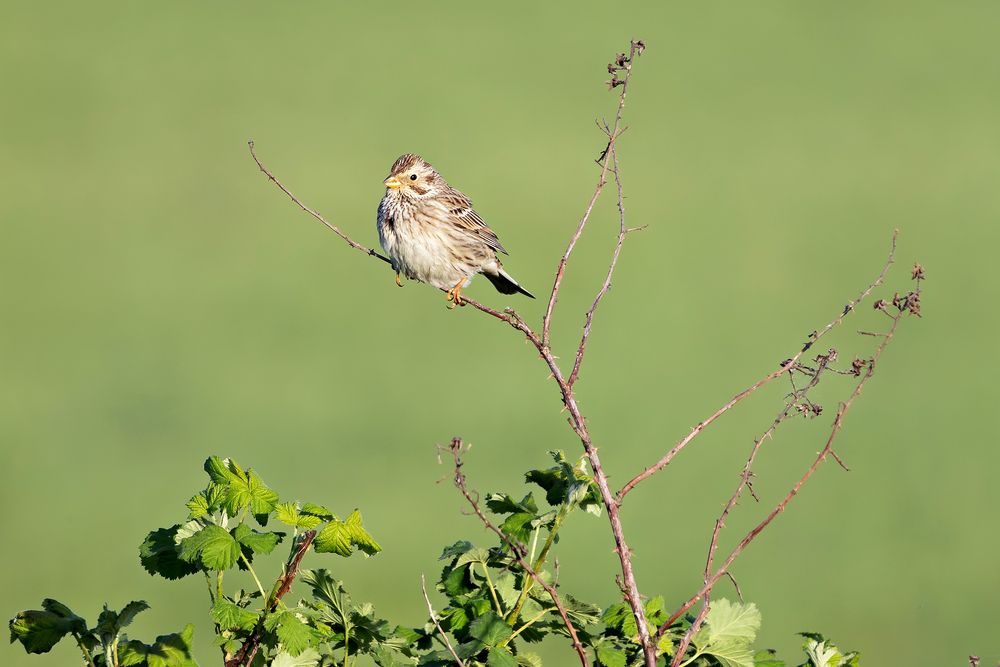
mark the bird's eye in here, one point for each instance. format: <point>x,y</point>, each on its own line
<point>413,177</point>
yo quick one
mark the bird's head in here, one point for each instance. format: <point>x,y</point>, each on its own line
<point>411,176</point>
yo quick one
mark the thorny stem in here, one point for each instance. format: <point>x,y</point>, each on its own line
<point>251,644</point>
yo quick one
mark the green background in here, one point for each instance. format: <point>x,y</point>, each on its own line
<point>162,302</point>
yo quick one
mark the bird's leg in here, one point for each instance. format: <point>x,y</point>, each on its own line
<point>398,283</point>
<point>455,294</point>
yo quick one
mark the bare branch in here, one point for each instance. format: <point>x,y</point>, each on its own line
<point>613,133</point>
<point>722,570</point>
<point>785,367</point>
<point>622,232</point>
<point>336,230</point>
<point>434,618</point>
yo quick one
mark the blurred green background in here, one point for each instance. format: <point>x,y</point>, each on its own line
<point>162,302</point>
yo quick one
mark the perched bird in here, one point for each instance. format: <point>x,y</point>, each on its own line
<point>432,234</point>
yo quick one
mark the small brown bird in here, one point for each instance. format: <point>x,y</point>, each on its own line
<point>432,234</point>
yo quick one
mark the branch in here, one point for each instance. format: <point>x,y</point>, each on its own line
<point>623,63</point>
<point>786,366</point>
<point>907,304</point>
<point>249,649</point>
<point>444,635</point>
<point>516,550</point>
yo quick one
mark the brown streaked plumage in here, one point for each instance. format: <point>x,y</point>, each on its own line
<point>432,234</point>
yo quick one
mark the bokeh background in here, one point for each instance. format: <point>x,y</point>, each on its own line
<point>162,302</point>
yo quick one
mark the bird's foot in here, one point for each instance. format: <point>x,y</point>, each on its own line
<point>454,295</point>
<point>398,282</point>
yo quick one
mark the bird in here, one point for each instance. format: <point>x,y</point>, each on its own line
<point>432,234</point>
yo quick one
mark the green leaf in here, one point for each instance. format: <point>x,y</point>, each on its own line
<point>213,547</point>
<point>317,511</point>
<point>360,537</point>
<point>197,506</point>
<point>728,620</point>
<point>610,655</point>
<point>160,555</point>
<point>249,490</point>
<point>173,650</point>
<point>728,633</point>
<point>529,660</point>
<point>307,658</point>
<point>340,537</point>
<point>490,629</point>
<point>259,543</point>
<point>38,631</point>
<point>334,538</point>
<point>518,527</point>
<point>288,513</point>
<point>130,611</point>
<point>294,635</point>
<point>823,653</point>
<point>500,657</point>
<point>479,555</point>
<point>219,470</point>
<point>457,549</point>
<point>231,616</point>
<point>767,658</point>
<point>621,621</point>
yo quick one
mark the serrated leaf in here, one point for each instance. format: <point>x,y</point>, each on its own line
<point>490,629</point>
<point>823,653</point>
<point>728,620</point>
<point>230,616</point>
<point>212,547</point>
<point>173,650</point>
<point>160,555</point>
<point>584,613</point>
<point>478,555</point>
<point>731,653</point>
<point>294,635</point>
<point>360,537</point>
<point>457,549</point>
<point>130,611</point>
<point>307,658</point>
<point>249,490</point>
<point>609,655</point>
<point>341,537</point>
<point>518,527</point>
<point>197,506</point>
<point>259,543</point>
<point>40,630</point>
<point>619,619</point>
<point>767,658</point>
<point>529,660</point>
<point>219,470</point>
<point>318,511</point>
<point>500,657</point>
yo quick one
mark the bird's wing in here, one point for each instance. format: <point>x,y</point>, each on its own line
<point>465,218</point>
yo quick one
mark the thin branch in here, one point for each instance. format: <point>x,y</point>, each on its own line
<point>820,458</point>
<point>336,230</point>
<point>251,645</point>
<point>624,64</point>
<point>517,550</point>
<point>785,367</point>
<point>434,618</point>
<point>622,233</point>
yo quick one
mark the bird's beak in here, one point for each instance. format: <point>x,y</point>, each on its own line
<point>392,183</point>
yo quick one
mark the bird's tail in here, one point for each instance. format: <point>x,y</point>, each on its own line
<point>505,284</point>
